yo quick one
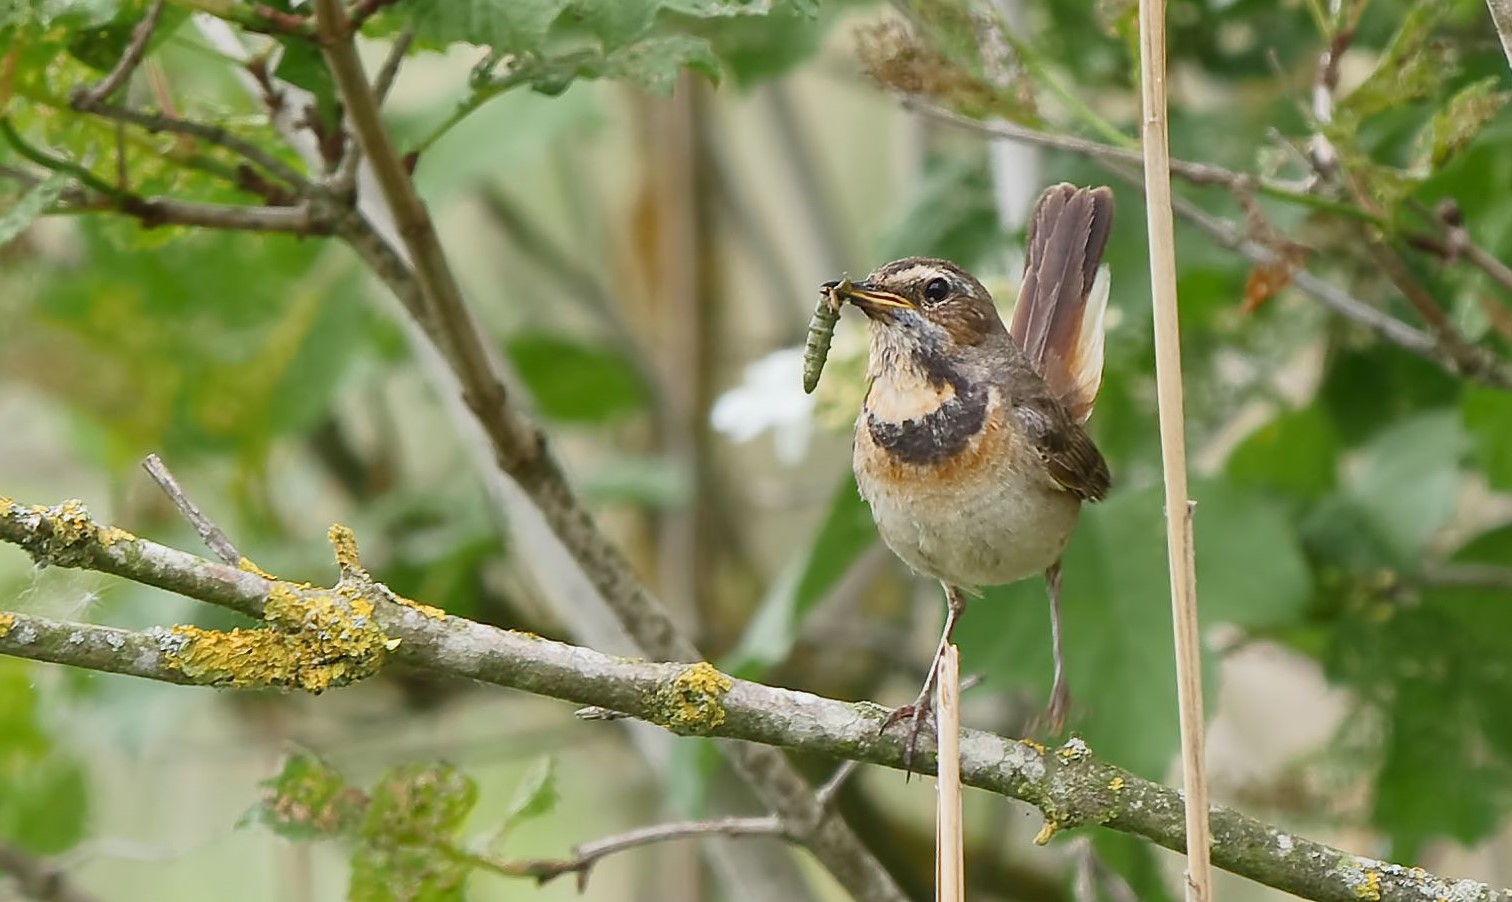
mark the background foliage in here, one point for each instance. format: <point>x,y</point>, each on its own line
<point>640,197</point>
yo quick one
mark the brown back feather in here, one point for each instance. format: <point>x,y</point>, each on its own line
<point>1068,232</point>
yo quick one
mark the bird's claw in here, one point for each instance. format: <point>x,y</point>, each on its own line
<point>918,714</point>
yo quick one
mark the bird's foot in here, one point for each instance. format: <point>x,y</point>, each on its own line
<point>1052,721</point>
<point>920,712</point>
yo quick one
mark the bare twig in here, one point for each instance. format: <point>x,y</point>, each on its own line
<point>213,537</point>
<point>389,72</point>
<point>950,845</point>
<point>1070,784</point>
<point>141,36</point>
<point>1179,544</point>
<point>825,795</point>
<point>37,879</point>
<point>586,855</point>
<point>1473,576</point>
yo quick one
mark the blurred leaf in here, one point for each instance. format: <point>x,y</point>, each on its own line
<point>44,801</point>
<point>1488,419</point>
<point>654,63</point>
<point>846,533</point>
<point>615,22</point>
<point>637,480</point>
<point>575,382</point>
<point>1407,482</point>
<point>31,205</point>
<point>507,26</point>
<point>414,812</point>
<point>1411,69</point>
<point>1459,122</point>
<point>1136,861</point>
<point>536,795</point>
<point>1116,604</point>
<point>1297,452</point>
<point>102,46</point>
<point>308,799</point>
<point>758,48</point>
<point>1367,389</point>
<point>303,65</point>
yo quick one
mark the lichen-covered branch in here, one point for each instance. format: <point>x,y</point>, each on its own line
<point>363,624</point>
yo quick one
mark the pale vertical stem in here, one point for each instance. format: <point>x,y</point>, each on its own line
<point>1157,166</point>
<point>950,855</point>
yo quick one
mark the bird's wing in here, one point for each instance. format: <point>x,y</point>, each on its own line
<point>1058,320</point>
<point>1071,458</point>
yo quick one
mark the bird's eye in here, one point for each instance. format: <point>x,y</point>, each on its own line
<point>936,291</point>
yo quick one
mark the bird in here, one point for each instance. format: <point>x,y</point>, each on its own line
<point>971,447</point>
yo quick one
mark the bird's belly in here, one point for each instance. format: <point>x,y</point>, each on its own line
<point>991,521</point>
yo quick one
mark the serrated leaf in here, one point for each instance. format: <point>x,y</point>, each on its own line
<point>846,533</point>
<point>31,205</point>
<point>534,796</point>
<point>308,799</point>
<point>1453,128</point>
<point>507,26</point>
<point>575,382</point>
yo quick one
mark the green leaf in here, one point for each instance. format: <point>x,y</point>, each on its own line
<point>1116,605</point>
<point>507,26</point>
<point>1412,68</point>
<point>575,382</point>
<point>846,533</point>
<point>614,22</point>
<point>1136,862</point>
<point>536,795</point>
<point>1487,416</point>
<point>1407,482</point>
<point>44,804</point>
<point>414,812</point>
<point>308,799</point>
<point>303,65</point>
<point>654,63</point>
<point>1297,452</point>
<point>1453,128</point>
<point>31,205</point>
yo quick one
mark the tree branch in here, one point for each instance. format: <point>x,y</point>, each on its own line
<point>130,59</point>
<point>521,451</point>
<point>1070,785</point>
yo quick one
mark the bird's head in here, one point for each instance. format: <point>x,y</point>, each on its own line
<point>921,307</point>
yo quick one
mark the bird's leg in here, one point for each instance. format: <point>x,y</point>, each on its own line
<point>1060,695</point>
<point>919,711</point>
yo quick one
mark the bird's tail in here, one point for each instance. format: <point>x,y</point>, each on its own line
<point>1058,320</point>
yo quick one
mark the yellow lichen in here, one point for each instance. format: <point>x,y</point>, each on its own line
<point>344,544</point>
<point>691,702</point>
<point>314,640</point>
<point>1037,746</point>
<point>6,622</point>
<point>250,567</point>
<point>1043,836</point>
<point>109,535</point>
<point>1116,784</point>
<point>1370,890</point>
<point>430,611</point>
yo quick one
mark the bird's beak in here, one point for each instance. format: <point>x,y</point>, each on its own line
<point>870,299</point>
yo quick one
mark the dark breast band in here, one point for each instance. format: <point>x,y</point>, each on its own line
<point>940,434</point>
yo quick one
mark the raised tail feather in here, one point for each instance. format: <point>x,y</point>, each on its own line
<point>1058,320</point>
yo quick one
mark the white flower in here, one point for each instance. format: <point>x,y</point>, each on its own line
<point>771,397</point>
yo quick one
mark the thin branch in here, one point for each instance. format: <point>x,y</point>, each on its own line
<point>1070,784</point>
<point>1161,222</point>
<point>213,537</point>
<point>141,36</point>
<point>585,856</point>
<point>213,134</point>
<point>37,879</point>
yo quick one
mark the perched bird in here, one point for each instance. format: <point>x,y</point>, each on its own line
<point>970,447</point>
